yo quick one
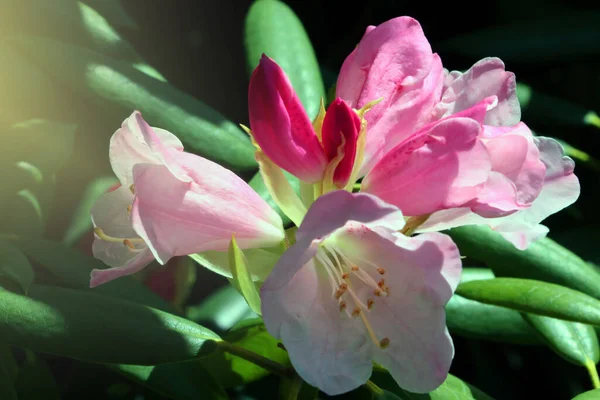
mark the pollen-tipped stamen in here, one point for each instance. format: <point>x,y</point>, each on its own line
<point>128,242</point>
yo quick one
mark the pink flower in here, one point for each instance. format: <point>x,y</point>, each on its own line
<point>408,162</point>
<point>352,290</point>
<point>171,203</point>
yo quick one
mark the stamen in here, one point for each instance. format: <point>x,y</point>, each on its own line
<point>128,243</point>
<point>370,303</point>
<point>129,209</point>
<point>381,271</point>
<point>356,312</point>
<point>385,342</point>
<point>132,188</point>
<point>342,306</point>
<point>325,265</point>
<point>345,276</point>
<point>377,293</point>
<point>100,233</point>
<point>371,332</point>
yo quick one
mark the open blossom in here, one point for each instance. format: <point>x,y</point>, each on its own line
<point>172,203</point>
<point>442,145</point>
<point>352,290</point>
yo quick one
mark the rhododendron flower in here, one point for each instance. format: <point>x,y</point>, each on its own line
<point>437,144</point>
<point>172,203</point>
<point>352,290</point>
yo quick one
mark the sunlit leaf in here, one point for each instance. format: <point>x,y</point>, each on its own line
<point>241,276</point>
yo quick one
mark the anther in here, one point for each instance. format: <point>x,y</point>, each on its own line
<point>381,271</point>
<point>129,209</point>
<point>356,312</point>
<point>381,283</point>
<point>339,293</point>
<point>132,188</point>
<point>345,275</point>
<point>377,293</point>
<point>370,303</point>
<point>383,343</point>
<point>128,243</point>
<point>355,268</point>
<point>342,306</point>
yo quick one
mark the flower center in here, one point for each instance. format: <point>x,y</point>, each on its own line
<point>354,287</point>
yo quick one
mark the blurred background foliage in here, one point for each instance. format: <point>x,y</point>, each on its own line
<point>71,71</point>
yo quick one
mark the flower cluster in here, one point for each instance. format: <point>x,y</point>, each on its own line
<point>428,150</point>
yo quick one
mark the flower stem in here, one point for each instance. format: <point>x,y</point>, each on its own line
<point>373,388</point>
<point>257,359</point>
<point>591,367</point>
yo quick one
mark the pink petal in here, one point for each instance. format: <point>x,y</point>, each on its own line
<point>128,147</point>
<point>332,210</point>
<point>110,214</point>
<point>327,351</point>
<point>486,78</point>
<point>135,264</point>
<point>280,125</point>
<point>443,167</point>
<point>180,218</point>
<point>392,61</point>
<point>341,121</point>
<point>421,274</point>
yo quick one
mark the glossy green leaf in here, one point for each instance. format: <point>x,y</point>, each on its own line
<point>81,222</point>
<point>537,297</point>
<point>221,310</point>
<point>74,269</point>
<point>473,319</point>
<point>241,276</point>
<point>35,380</point>
<point>544,260</point>
<point>590,395</point>
<point>547,39</point>
<point>272,28</point>
<point>575,342</point>
<point>230,370</point>
<point>177,381</point>
<point>120,89</point>
<point>96,328</point>
<point>15,266</point>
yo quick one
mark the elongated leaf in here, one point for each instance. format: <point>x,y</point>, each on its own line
<point>576,343</point>
<point>532,40</point>
<point>591,395</point>
<point>96,328</point>
<point>177,381</point>
<point>272,28</point>
<point>120,88</point>
<point>74,269</point>
<point>230,370</point>
<point>544,260</point>
<point>81,222</point>
<point>35,380</point>
<point>241,276</point>
<point>537,297</point>
<point>15,266</point>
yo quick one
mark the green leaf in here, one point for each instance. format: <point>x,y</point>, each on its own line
<point>81,221</point>
<point>230,370</point>
<point>547,39</point>
<point>272,28</point>
<point>576,343</point>
<point>473,319</point>
<point>96,328</point>
<point>35,380</point>
<point>178,381</point>
<point>8,373</point>
<point>241,276</point>
<point>537,297</point>
<point>544,260</point>
<point>221,310</point>
<point>74,269</point>
<point>120,89</point>
<point>590,395</point>
<point>15,266</point>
